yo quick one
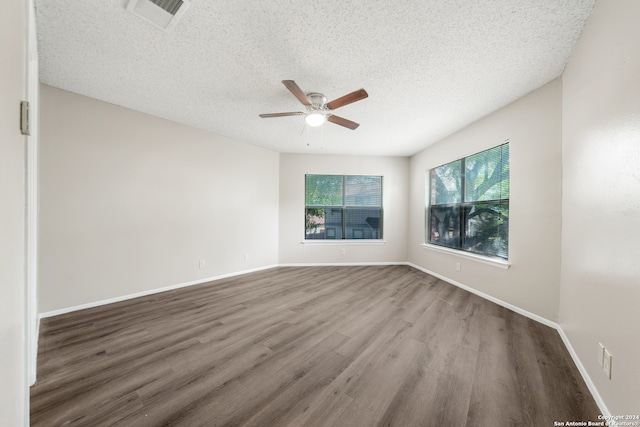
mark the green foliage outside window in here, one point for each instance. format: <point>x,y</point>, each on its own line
<point>343,207</point>
<point>469,203</point>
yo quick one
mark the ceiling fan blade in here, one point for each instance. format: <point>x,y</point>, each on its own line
<point>348,99</point>
<point>293,113</point>
<point>297,92</point>
<point>343,122</point>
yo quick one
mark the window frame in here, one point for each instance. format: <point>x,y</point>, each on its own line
<point>344,208</point>
<point>462,207</point>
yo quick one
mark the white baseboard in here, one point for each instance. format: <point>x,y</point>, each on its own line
<point>533,316</point>
<point>339,264</point>
<point>504,304</point>
<point>150,292</point>
<point>585,375</point>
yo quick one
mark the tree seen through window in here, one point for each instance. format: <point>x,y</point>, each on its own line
<point>469,203</point>
<point>343,207</point>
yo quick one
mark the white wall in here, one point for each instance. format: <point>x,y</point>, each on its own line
<point>293,168</point>
<point>533,127</point>
<point>600,294</point>
<point>131,203</point>
<point>13,355</point>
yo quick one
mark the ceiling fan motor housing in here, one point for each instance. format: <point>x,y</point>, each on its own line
<point>318,101</point>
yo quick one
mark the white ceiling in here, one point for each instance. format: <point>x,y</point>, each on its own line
<point>430,67</point>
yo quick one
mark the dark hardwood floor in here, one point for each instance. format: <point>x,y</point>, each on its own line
<point>307,346</point>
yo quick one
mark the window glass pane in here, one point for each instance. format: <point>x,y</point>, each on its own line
<point>487,229</point>
<point>446,183</point>
<point>487,175</point>
<point>363,223</point>
<point>363,190</point>
<point>323,223</point>
<point>444,226</point>
<point>343,207</point>
<point>323,190</point>
<point>480,222</point>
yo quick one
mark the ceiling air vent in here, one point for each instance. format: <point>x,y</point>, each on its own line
<point>162,13</point>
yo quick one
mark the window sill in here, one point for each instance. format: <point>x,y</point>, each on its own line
<point>344,242</point>
<point>495,262</point>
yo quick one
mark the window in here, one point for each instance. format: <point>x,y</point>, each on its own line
<point>468,203</point>
<point>343,207</point>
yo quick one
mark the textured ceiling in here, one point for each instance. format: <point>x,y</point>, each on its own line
<point>430,67</point>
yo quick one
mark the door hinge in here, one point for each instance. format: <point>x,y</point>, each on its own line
<point>24,118</point>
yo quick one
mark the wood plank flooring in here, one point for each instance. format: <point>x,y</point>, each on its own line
<point>307,346</point>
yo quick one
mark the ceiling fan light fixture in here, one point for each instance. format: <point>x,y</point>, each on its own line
<point>315,119</point>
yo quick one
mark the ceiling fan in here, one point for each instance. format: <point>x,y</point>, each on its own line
<point>318,109</point>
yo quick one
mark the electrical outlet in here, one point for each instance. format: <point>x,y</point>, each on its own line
<point>343,251</point>
<point>606,365</point>
<point>457,266</point>
<point>202,263</point>
<point>601,355</point>
<point>246,257</point>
